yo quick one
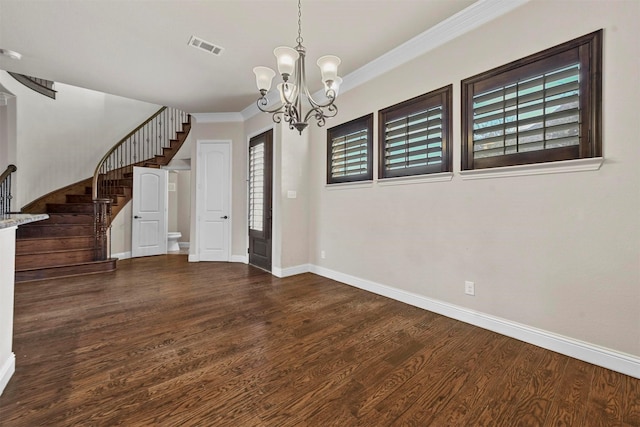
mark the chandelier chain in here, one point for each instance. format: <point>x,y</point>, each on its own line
<point>299,39</point>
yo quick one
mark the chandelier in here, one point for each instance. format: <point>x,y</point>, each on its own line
<point>294,86</point>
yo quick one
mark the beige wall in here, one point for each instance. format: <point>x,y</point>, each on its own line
<point>121,231</point>
<point>183,201</point>
<point>172,202</point>
<point>558,252</point>
<point>8,123</point>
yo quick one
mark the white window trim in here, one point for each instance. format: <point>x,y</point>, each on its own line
<point>416,179</point>
<point>349,185</point>
<point>564,166</point>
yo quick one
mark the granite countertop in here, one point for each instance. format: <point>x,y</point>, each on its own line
<point>13,220</point>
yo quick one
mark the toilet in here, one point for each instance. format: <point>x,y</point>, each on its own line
<point>172,241</point>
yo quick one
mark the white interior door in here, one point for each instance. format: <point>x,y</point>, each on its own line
<point>149,211</point>
<point>213,213</point>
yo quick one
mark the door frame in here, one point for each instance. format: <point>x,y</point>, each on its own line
<point>165,214</point>
<point>267,139</point>
<point>196,190</point>
<point>274,208</point>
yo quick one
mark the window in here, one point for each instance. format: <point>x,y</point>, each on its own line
<point>257,156</point>
<point>415,135</point>
<point>543,108</point>
<point>349,151</point>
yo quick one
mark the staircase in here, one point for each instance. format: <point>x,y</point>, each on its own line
<point>69,242</point>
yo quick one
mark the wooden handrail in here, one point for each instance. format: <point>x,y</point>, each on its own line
<point>10,169</point>
<point>5,189</point>
<point>96,174</point>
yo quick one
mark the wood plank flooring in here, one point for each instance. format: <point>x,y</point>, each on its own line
<point>164,342</point>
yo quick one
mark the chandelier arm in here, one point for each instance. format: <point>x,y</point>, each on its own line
<point>292,113</point>
<point>320,115</point>
<point>263,102</point>
<point>316,104</point>
<point>331,94</point>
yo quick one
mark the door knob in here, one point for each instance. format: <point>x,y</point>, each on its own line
<point>137,217</point>
<point>224,217</point>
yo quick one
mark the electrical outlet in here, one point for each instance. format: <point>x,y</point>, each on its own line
<point>323,254</point>
<point>469,288</point>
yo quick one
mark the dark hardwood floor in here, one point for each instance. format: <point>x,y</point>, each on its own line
<point>164,342</point>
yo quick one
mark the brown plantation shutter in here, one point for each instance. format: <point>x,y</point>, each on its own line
<point>414,141</point>
<point>536,113</point>
<point>414,135</point>
<point>256,186</point>
<point>545,107</point>
<point>349,154</point>
<point>349,151</point>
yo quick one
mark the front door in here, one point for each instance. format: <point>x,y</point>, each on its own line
<point>260,190</point>
<point>213,201</point>
<point>149,211</point>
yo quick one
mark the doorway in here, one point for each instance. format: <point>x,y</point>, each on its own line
<point>149,211</point>
<point>213,201</point>
<point>179,201</point>
<point>260,197</point>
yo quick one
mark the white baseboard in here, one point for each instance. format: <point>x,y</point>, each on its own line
<point>194,258</point>
<point>6,371</point>
<point>607,358</point>
<point>240,258</point>
<point>184,245</point>
<point>290,271</point>
<point>122,255</point>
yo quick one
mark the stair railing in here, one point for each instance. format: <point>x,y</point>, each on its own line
<point>42,86</point>
<point>139,148</point>
<point>5,190</point>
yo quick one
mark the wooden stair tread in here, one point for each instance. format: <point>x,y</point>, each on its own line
<point>28,261</point>
<point>54,230</point>
<point>56,251</point>
<point>43,240</point>
<point>70,270</point>
<point>67,218</point>
<point>38,245</point>
<point>70,207</point>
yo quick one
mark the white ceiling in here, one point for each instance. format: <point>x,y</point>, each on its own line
<point>138,48</point>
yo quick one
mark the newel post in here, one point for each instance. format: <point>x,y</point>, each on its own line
<point>102,228</point>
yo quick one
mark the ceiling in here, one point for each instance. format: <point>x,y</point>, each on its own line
<point>139,48</point>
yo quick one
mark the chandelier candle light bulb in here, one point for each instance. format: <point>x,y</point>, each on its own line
<point>264,77</point>
<point>329,66</point>
<point>286,58</point>
<point>291,62</point>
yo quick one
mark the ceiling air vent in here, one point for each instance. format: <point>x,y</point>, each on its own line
<point>205,45</point>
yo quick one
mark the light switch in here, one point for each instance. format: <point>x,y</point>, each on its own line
<point>291,194</point>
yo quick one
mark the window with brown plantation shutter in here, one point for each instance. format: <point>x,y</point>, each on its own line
<point>415,135</point>
<point>256,185</point>
<point>349,151</point>
<point>542,108</point>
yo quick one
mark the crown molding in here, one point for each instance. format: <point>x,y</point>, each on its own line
<point>451,28</point>
<point>218,117</point>
<point>462,22</point>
